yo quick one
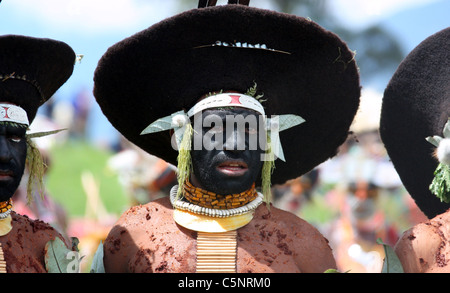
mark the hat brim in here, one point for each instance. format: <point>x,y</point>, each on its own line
<point>170,65</point>
<point>416,104</point>
<point>32,70</point>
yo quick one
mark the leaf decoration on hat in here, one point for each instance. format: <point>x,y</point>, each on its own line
<point>44,133</point>
<point>163,124</point>
<point>276,125</point>
<point>289,120</point>
<point>434,140</point>
<point>176,121</point>
<point>440,186</point>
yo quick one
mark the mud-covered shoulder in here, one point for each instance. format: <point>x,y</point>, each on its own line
<point>27,228</point>
<point>423,248</point>
<point>309,247</point>
<point>147,239</point>
<point>284,220</point>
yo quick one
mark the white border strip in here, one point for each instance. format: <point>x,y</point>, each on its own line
<point>13,113</point>
<point>227,100</point>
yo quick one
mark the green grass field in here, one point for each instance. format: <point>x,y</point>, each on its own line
<point>64,182</point>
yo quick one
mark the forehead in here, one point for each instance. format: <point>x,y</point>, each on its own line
<point>11,126</point>
<point>223,112</point>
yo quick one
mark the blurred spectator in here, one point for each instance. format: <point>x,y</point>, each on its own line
<point>143,176</point>
<point>363,197</point>
<point>292,195</point>
<point>72,114</point>
<point>63,115</point>
<point>81,103</point>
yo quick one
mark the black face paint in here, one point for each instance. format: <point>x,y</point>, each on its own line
<point>13,152</point>
<point>227,160</point>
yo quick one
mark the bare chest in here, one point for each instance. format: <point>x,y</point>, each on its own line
<point>255,252</point>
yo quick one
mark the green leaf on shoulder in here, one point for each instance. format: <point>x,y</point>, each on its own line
<point>391,262</point>
<point>334,271</point>
<point>60,259</point>
<point>97,261</point>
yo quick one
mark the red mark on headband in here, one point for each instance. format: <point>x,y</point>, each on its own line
<point>235,99</point>
<point>6,112</point>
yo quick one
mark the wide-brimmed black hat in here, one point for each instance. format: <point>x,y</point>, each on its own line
<point>300,68</point>
<point>32,70</point>
<point>416,105</point>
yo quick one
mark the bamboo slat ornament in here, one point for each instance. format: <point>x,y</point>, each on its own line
<point>2,261</point>
<point>216,252</point>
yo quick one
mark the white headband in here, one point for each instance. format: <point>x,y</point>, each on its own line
<point>178,120</point>
<point>227,100</point>
<point>13,113</point>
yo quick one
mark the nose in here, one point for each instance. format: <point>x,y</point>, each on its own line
<point>5,152</point>
<point>235,141</point>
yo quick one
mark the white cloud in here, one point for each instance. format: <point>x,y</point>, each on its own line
<point>361,13</point>
<point>368,115</point>
<point>100,16</point>
<point>92,16</point>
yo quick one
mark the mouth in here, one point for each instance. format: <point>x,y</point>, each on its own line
<point>6,175</point>
<point>233,168</point>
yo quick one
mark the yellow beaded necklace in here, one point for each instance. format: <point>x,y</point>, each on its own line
<point>211,200</point>
<point>5,217</point>
<point>5,206</point>
<point>5,227</point>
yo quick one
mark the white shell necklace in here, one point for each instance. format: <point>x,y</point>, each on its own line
<point>187,206</point>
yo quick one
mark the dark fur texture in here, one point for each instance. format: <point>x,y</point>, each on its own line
<point>45,63</point>
<point>158,71</point>
<point>416,105</point>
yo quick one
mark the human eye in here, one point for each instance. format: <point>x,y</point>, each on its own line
<point>251,130</point>
<point>215,129</point>
<point>16,135</point>
<point>16,138</point>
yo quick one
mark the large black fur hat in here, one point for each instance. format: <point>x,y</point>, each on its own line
<point>300,68</point>
<point>32,70</point>
<point>416,105</point>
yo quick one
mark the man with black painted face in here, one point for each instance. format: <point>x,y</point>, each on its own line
<point>225,104</point>
<point>13,150</point>
<point>31,70</point>
<point>229,165</point>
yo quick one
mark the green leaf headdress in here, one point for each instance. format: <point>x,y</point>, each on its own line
<point>440,185</point>
<point>183,131</point>
<point>35,163</point>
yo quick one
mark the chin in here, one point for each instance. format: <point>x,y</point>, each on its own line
<point>214,180</point>
<point>5,195</point>
<point>7,191</point>
<point>230,185</point>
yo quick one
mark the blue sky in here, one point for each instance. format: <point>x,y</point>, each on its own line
<point>91,26</point>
